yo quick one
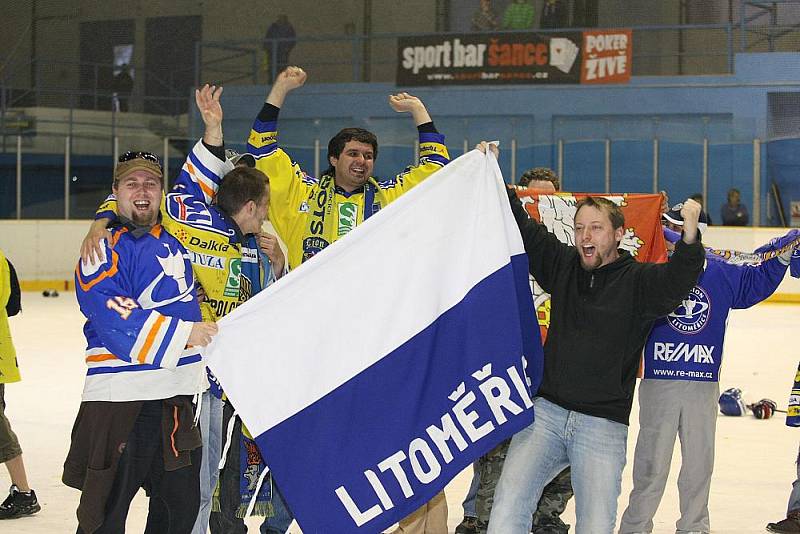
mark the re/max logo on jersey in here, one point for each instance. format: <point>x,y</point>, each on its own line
<point>675,352</point>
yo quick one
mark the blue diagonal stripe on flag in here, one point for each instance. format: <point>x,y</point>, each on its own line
<point>376,372</point>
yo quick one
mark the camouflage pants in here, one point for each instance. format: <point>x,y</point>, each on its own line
<point>552,504</point>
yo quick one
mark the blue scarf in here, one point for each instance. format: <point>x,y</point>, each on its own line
<point>775,247</point>
<point>251,464</point>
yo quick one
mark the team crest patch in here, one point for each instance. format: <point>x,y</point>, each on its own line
<point>693,313</point>
<point>312,245</point>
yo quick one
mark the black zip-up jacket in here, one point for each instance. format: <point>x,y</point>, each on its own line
<point>600,319</point>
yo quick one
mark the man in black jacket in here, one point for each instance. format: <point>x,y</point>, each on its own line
<point>603,306</point>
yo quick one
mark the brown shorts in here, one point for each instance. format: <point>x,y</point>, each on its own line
<point>9,445</point>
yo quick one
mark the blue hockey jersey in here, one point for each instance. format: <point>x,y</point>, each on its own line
<point>687,344</point>
<point>139,302</point>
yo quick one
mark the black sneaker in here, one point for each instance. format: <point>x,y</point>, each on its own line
<point>18,504</point>
<point>468,526</point>
<point>790,524</point>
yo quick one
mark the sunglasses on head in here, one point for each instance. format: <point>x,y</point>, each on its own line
<point>139,154</point>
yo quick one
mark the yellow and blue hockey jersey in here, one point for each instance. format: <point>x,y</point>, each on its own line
<point>295,195</point>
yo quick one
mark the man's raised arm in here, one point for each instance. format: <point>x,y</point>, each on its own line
<point>406,103</point>
<point>288,80</point>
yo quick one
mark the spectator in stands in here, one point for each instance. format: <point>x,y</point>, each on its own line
<point>484,19</point>
<point>21,498</point>
<point>585,13</point>
<point>278,44</point>
<point>518,15</point>
<point>123,87</point>
<point>734,213</point>
<point>698,197</point>
<point>554,14</point>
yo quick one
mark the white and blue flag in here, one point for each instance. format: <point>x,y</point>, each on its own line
<point>376,372</point>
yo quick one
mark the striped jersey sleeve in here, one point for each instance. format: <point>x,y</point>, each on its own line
<point>263,139</point>
<point>793,412</point>
<point>289,185</point>
<point>433,155</point>
<point>201,174</point>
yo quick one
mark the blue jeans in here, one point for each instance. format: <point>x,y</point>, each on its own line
<point>593,446</point>
<point>211,430</point>
<point>794,498</point>
<point>472,493</point>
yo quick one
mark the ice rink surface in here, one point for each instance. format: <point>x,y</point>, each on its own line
<point>754,459</point>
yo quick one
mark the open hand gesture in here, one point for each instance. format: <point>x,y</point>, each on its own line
<point>207,99</point>
<point>404,102</point>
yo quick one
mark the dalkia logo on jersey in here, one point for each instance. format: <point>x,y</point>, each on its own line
<point>208,244</point>
<point>692,315</point>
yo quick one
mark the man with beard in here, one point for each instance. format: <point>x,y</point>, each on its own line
<point>216,211</point>
<point>603,306</point>
<point>144,332</point>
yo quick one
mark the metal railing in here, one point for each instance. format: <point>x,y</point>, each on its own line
<point>69,182</point>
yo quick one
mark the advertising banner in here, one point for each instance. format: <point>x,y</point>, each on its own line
<point>593,57</point>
